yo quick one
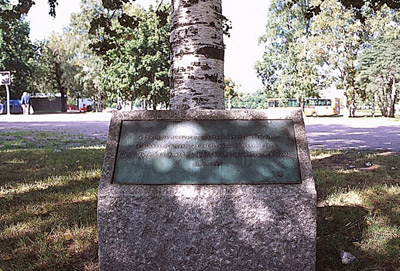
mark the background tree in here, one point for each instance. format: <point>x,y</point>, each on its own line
<point>133,65</point>
<point>257,100</point>
<point>57,70</point>
<point>356,5</point>
<point>16,52</point>
<point>379,74</point>
<point>286,70</point>
<point>208,50</point>
<point>378,64</point>
<point>335,43</point>
<point>304,15</point>
<point>230,91</point>
<point>23,6</point>
<point>92,65</point>
<point>137,66</point>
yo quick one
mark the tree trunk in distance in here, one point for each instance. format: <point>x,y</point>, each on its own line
<point>63,101</point>
<point>393,100</point>
<point>373,106</point>
<point>99,101</point>
<point>229,103</point>
<point>383,105</point>
<point>144,104</point>
<point>352,106</point>
<point>197,55</point>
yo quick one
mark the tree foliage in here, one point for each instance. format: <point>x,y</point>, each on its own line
<point>91,65</point>
<point>309,44</point>
<point>23,6</point>
<point>336,40</point>
<point>257,100</point>
<point>379,74</point>
<point>230,91</point>
<point>378,71</point>
<point>16,52</point>
<point>286,70</point>
<point>137,67</point>
<point>305,53</point>
<point>56,70</point>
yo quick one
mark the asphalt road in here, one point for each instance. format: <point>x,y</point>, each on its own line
<point>322,133</point>
<point>87,124</point>
<point>345,133</point>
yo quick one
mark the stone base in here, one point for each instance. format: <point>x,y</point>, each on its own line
<point>207,227</point>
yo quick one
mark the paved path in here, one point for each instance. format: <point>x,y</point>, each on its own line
<point>88,124</point>
<point>322,133</point>
<point>345,133</point>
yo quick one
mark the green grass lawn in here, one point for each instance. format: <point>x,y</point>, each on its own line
<point>359,209</point>
<point>48,196</point>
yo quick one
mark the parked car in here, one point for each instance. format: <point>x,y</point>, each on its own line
<point>15,107</point>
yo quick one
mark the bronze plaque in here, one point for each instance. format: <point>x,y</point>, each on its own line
<point>207,152</point>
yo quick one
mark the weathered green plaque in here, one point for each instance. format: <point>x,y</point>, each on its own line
<point>207,152</point>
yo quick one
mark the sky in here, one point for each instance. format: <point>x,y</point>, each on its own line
<point>242,49</point>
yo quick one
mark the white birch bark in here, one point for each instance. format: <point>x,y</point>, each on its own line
<point>197,55</point>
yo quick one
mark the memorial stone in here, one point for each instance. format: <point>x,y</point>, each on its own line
<point>207,190</point>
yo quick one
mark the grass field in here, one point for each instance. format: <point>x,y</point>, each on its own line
<point>358,209</point>
<point>48,196</point>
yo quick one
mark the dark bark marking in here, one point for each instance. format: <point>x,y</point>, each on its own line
<point>189,3</point>
<point>206,67</point>
<point>211,52</point>
<point>212,77</point>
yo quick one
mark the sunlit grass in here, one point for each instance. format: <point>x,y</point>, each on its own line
<point>359,209</point>
<point>37,139</point>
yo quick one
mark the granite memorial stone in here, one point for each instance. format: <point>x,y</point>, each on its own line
<point>207,190</point>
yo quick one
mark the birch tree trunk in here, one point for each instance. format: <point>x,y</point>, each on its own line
<point>197,55</point>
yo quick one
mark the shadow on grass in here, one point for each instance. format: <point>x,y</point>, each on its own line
<point>359,195</point>
<point>62,238</point>
<point>337,229</point>
<point>48,209</point>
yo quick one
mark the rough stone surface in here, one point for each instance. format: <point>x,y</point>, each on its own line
<point>207,227</point>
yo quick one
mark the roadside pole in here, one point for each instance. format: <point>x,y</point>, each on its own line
<point>5,80</point>
<point>8,100</point>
